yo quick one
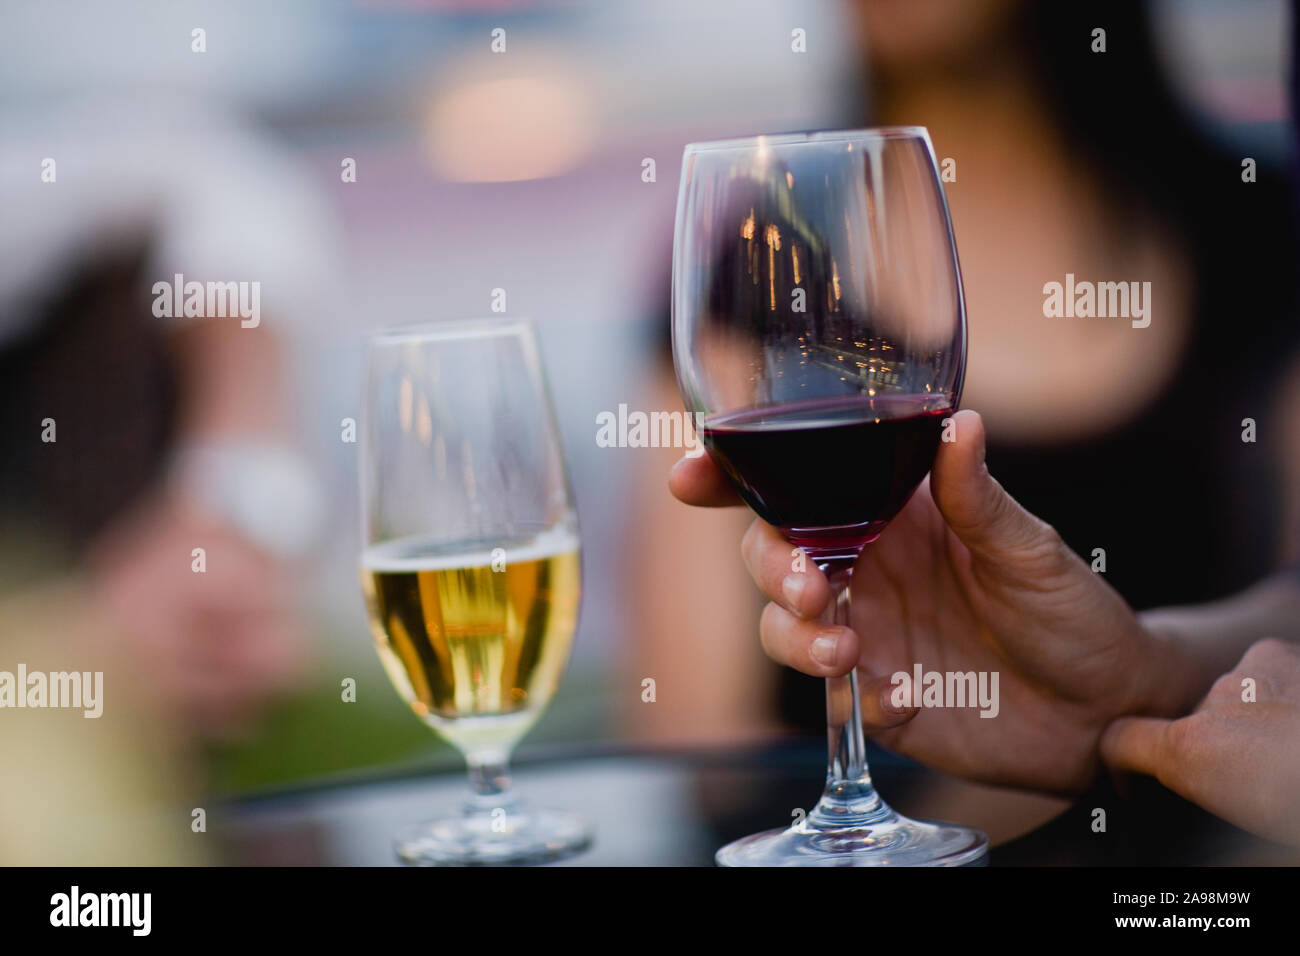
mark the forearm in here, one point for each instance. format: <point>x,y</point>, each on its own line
<point>1197,644</point>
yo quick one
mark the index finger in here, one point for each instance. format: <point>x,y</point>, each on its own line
<point>699,481</point>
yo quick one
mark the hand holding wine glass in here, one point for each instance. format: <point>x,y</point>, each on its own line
<point>964,579</point>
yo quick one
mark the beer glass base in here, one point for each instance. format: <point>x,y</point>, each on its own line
<point>515,835</point>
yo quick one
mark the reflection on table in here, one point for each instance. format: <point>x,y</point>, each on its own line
<point>663,808</point>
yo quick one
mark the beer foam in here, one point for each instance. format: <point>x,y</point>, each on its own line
<point>423,554</point>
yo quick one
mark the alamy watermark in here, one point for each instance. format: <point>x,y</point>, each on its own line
<point>1104,300</point>
<point>658,429</point>
<point>208,300</point>
<point>55,689</point>
<point>941,689</point>
<point>130,910</point>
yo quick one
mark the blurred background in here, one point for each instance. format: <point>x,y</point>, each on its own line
<point>524,171</point>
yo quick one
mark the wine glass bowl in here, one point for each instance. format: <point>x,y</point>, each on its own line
<point>815,280</point>
<point>819,335</point>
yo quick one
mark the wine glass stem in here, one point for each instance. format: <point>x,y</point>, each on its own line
<point>849,798</point>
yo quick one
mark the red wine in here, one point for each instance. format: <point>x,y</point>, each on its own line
<point>830,473</point>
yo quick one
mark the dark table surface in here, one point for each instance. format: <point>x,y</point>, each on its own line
<point>675,808</point>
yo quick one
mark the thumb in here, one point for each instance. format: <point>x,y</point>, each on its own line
<point>975,506</point>
<point>1138,745</point>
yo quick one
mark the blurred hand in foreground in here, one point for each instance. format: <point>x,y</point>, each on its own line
<point>1238,754</point>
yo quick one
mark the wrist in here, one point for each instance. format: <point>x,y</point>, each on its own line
<point>1174,676</point>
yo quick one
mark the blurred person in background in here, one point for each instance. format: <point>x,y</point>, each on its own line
<point>169,434</point>
<point>1129,440</point>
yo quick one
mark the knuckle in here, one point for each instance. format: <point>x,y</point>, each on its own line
<point>746,540</point>
<point>1178,738</point>
<point>1047,544</point>
<point>1177,753</point>
<point>774,621</point>
<point>1226,685</point>
<point>1268,650</point>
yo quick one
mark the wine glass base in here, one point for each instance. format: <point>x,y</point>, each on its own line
<point>892,840</point>
<point>519,835</point>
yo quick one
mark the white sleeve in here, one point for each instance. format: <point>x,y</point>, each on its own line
<point>217,200</point>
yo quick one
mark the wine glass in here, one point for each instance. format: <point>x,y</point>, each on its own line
<point>819,328</point>
<point>470,567</point>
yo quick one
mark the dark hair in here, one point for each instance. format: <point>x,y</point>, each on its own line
<point>95,362</point>
<point>1119,111</point>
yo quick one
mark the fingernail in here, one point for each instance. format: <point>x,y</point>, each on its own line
<point>823,650</point>
<point>792,587</point>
